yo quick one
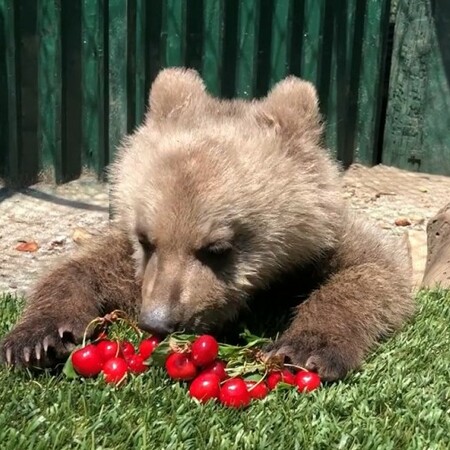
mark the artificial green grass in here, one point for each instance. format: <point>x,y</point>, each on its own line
<point>399,400</point>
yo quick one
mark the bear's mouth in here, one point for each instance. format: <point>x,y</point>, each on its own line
<point>211,320</point>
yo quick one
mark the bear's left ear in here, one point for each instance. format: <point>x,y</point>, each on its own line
<point>174,90</point>
<point>292,108</point>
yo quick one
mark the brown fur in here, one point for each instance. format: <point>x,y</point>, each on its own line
<point>215,201</point>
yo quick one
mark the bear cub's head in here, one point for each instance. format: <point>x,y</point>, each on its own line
<point>220,197</point>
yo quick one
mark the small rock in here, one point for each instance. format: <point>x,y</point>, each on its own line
<point>379,194</point>
<point>80,235</point>
<point>423,189</point>
<point>27,246</point>
<point>102,196</point>
<point>418,220</point>
<point>385,225</point>
<point>402,222</point>
<point>58,241</point>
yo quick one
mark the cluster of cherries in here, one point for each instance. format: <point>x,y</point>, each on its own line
<point>113,359</point>
<point>199,364</point>
<point>196,361</point>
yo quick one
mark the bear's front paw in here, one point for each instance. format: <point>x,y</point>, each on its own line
<point>315,352</point>
<point>40,342</point>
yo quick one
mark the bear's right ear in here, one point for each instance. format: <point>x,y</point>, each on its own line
<point>173,91</point>
<point>292,109</point>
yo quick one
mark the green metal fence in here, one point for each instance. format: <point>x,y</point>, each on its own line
<point>75,74</point>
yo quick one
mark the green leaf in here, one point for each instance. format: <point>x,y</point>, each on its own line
<point>68,369</point>
<point>228,351</point>
<point>180,337</point>
<point>255,377</point>
<point>248,337</point>
<point>252,340</point>
<point>160,353</point>
<point>282,386</point>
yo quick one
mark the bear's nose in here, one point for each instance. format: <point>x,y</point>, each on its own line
<point>157,321</point>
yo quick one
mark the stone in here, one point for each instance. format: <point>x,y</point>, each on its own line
<point>402,222</point>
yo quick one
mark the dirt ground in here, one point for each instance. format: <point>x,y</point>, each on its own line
<point>58,218</point>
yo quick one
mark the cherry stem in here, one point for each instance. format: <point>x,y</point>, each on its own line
<point>261,380</point>
<point>116,315</point>
<point>118,347</point>
<point>133,326</point>
<point>295,367</point>
<point>120,315</point>
<point>92,322</point>
<point>179,346</point>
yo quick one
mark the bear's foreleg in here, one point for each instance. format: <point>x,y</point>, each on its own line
<point>63,302</point>
<point>334,329</point>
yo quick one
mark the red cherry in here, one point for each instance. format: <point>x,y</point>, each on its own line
<point>115,370</point>
<point>179,366</point>
<point>234,393</point>
<point>127,349</point>
<point>205,387</point>
<point>204,350</point>
<point>147,346</point>
<point>218,368</point>
<point>87,361</point>
<point>285,375</point>
<point>108,349</point>
<point>136,363</point>
<point>257,390</point>
<point>307,381</point>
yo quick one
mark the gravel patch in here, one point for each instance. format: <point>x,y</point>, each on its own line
<point>55,217</point>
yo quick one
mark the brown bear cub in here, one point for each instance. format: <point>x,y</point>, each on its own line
<point>216,201</point>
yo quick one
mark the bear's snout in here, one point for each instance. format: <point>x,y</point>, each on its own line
<point>158,321</point>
